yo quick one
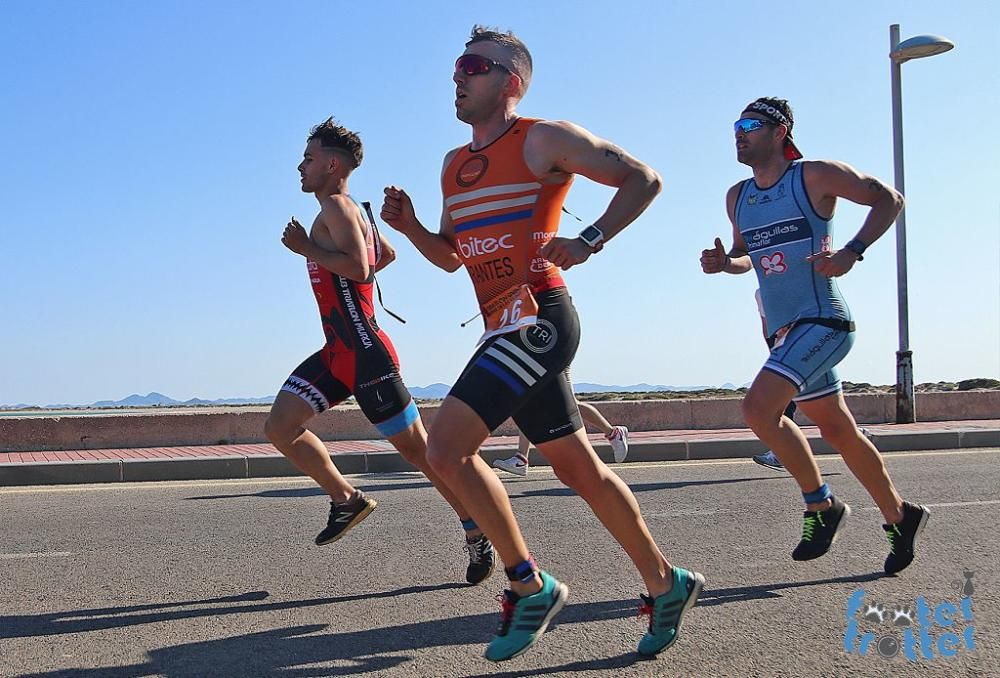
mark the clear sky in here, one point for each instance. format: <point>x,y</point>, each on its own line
<point>148,166</point>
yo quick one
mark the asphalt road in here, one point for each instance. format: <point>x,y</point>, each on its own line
<point>220,578</point>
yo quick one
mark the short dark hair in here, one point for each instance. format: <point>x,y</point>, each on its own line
<point>519,55</point>
<point>335,136</point>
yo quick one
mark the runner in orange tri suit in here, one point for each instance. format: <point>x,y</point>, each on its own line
<point>502,198</point>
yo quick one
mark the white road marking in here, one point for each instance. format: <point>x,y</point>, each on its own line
<point>684,513</point>
<point>16,556</point>
<point>953,504</point>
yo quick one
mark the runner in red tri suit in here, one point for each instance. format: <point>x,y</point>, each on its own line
<point>343,251</point>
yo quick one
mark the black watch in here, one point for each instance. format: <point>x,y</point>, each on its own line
<point>857,247</point>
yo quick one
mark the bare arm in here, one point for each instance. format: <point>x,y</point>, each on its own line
<point>557,150</point>
<point>736,261</point>
<point>337,243</point>
<point>828,180</point>
<point>438,248</point>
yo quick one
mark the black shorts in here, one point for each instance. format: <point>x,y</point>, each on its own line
<point>328,377</point>
<point>525,374</point>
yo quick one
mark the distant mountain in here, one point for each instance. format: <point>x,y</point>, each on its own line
<point>136,400</point>
<point>432,392</point>
<point>438,391</point>
<point>266,400</point>
<point>159,400</point>
<point>584,387</point>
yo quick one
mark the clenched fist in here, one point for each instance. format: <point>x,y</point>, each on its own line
<point>397,209</point>
<point>295,238</point>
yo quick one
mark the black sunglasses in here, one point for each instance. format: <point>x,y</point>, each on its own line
<point>476,64</point>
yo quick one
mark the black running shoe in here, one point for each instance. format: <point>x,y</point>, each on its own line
<point>820,529</point>
<point>345,516</point>
<point>903,535</point>
<point>482,559</point>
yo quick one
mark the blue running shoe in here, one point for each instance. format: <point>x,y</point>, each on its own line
<point>769,460</point>
<point>666,611</point>
<point>523,620</point>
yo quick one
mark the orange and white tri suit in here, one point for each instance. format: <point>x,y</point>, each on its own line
<point>503,215</point>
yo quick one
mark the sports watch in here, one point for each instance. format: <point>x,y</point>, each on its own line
<point>593,237</point>
<point>857,247</point>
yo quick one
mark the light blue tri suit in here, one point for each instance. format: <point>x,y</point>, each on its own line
<point>804,311</point>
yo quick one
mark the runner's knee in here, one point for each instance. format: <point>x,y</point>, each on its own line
<point>411,447</point>
<point>758,413</point>
<point>279,430</point>
<point>581,476</point>
<point>440,456</point>
<point>840,433</point>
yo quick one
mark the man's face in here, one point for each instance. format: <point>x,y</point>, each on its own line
<point>478,96</point>
<point>756,146</point>
<point>316,166</point>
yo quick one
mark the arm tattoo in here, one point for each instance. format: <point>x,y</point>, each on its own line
<point>613,152</point>
<point>876,185</point>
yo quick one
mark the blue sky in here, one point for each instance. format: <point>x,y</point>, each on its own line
<point>148,168</point>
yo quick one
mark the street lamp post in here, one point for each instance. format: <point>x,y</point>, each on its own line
<point>899,53</point>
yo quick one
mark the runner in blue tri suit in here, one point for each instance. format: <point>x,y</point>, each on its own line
<point>782,229</point>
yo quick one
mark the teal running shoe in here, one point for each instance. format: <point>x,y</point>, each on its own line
<point>666,611</point>
<point>523,620</point>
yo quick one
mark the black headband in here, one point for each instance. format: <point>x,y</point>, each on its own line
<point>778,118</point>
<point>770,112</point>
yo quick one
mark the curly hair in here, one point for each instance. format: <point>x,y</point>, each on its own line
<point>334,136</point>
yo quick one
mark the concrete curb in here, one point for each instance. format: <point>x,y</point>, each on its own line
<point>257,466</point>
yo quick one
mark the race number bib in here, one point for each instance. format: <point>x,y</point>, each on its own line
<point>514,308</point>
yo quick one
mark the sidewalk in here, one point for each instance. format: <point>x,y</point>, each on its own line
<point>211,462</point>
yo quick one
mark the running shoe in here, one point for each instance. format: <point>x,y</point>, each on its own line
<point>523,619</point>
<point>482,559</point>
<point>903,535</point>
<point>666,611</point>
<point>518,465</point>
<point>345,516</point>
<point>769,460</point>
<point>820,529</point>
<point>618,437</point>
